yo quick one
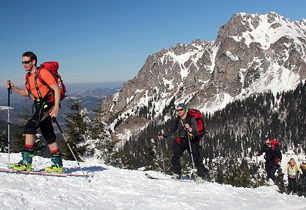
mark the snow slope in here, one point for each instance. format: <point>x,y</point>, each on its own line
<point>113,188</point>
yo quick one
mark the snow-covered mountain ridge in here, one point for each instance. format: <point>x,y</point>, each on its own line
<point>252,53</point>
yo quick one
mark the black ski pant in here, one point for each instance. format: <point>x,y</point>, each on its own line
<point>271,169</point>
<point>292,184</point>
<point>302,186</point>
<point>179,148</point>
<point>41,119</point>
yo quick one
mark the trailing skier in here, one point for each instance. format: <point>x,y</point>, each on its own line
<point>293,171</point>
<point>273,157</point>
<point>45,91</point>
<point>189,132</point>
<point>301,183</point>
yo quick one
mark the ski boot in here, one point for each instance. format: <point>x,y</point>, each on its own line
<point>57,166</point>
<point>199,179</point>
<point>26,163</point>
<point>176,176</point>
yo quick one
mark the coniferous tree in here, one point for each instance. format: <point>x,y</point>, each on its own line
<point>76,130</point>
<point>219,175</point>
<point>100,133</point>
<point>280,180</point>
<point>244,174</point>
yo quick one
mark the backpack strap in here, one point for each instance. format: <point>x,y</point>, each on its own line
<point>27,84</point>
<point>37,76</point>
<point>188,118</point>
<point>35,82</point>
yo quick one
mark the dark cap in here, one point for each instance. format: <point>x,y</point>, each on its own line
<point>182,105</point>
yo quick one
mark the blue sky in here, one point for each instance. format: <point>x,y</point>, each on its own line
<point>108,41</point>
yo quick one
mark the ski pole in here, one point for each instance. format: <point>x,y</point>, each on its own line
<point>9,123</point>
<point>60,129</point>
<point>188,139</point>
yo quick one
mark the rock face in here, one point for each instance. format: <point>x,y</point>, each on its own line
<point>252,53</point>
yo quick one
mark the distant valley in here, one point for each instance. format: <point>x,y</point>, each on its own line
<point>89,93</point>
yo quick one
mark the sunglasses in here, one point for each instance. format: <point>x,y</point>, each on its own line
<point>26,62</point>
<point>179,110</point>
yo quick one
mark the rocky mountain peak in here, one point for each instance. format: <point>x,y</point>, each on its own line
<point>252,53</point>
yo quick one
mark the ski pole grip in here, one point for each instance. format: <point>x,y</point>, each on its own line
<point>9,89</point>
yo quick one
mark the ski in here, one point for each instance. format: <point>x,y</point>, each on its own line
<point>160,177</point>
<point>42,173</point>
<point>153,177</point>
<point>183,179</point>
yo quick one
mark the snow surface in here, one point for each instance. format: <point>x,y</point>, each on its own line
<point>214,49</point>
<point>113,188</point>
<point>266,34</point>
<point>231,56</point>
<point>193,55</point>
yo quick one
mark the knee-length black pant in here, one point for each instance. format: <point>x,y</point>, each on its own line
<point>179,148</point>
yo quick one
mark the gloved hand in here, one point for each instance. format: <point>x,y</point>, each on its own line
<point>161,136</point>
<point>278,163</point>
<point>190,135</point>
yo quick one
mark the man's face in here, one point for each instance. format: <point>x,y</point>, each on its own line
<point>180,111</point>
<point>268,142</point>
<point>27,63</point>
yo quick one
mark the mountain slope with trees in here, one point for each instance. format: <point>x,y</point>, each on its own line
<point>234,134</point>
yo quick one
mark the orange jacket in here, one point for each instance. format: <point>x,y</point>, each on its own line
<point>46,76</point>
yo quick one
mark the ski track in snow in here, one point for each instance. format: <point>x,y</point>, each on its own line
<point>113,188</point>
